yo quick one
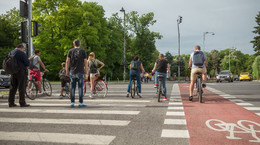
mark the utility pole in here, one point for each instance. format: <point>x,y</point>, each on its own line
<point>179,56</point>
<point>30,39</point>
<point>123,10</point>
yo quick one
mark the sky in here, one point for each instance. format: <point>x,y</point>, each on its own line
<point>232,21</point>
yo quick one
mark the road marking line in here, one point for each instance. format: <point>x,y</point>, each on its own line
<point>258,114</point>
<point>57,137</point>
<point>66,121</point>
<point>66,105</point>
<point>70,111</point>
<point>236,100</point>
<point>96,100</point>
<point>175,103</point>
<point>175,133</point>
<point>175,121</point>
<point>252,108</point>
<point>244,104</point>
<point>175,108</point>
<point>230,97</point>
<point>175,114</point>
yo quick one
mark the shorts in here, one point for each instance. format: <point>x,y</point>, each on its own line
<point>94,74</point>
<point>197,70</point>
<point>63,82</point>
<point>37,75</point>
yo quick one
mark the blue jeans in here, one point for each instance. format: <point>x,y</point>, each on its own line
<point>138,81</point>
<point>163,81</point>
<point>74,78</point>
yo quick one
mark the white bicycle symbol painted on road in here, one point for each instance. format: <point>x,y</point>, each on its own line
<point>242,126</point>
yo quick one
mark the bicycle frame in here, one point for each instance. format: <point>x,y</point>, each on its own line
<point>96,89</point>
<point>199,86</point>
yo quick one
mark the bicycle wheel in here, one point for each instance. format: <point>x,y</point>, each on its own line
<point>101,88</point>
<point>132,89</point>
<point>67,90</point>
<point>199,90</point>
<point>85,88</point>
<point>47,87</point>
<point>160,91</point>
<point>32,91</point>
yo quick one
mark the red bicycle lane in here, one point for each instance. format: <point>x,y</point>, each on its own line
<point>218,121</point>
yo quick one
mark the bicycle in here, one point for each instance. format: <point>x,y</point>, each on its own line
<point>32,90</point>
<point>199,86</point>
<point>67,87</point>
<point>100,87</point>
<point>160,87</point>
<point>134,87</point>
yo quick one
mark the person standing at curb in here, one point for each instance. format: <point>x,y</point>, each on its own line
<point>78,64</point>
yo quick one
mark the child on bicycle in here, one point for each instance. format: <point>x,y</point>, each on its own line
<point>93,70</point>
<point>62,75</point>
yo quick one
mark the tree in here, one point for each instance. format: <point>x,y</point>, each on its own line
<point>256,68</point>
<point>169,57</point>
<point>256,41</point>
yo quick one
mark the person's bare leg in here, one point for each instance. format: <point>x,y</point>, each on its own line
<point>191,87</point>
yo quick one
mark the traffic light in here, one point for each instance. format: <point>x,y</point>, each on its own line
<point>23,9</point>
<point>23,32</point>
<point>180,19</point>
<point>36,26</point>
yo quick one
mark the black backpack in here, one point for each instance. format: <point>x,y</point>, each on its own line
<point>10,64</point>
<point>198,58</point>
<point>134,65</point>
<point>93,67</point>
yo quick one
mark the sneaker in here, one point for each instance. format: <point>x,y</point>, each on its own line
<point>40,93</point>
<point>203,85</point>
<point>140,95</point>
<point>155,85</point>
<point>72,105</point>
<point>82,105</point>
<point>164,98</point>
<point>127,94</point>
<point>190,98</point>
<point>61,96</point>
<point>91,96</point>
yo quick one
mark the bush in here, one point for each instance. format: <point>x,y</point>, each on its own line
<point>256,68</point>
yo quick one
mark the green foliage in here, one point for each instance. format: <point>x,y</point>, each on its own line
<point>256,41</point>
<point>256,68</point>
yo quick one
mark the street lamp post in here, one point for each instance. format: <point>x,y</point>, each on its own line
<point>204,34</point>
<point>179,57</point>
<point>123,10</point>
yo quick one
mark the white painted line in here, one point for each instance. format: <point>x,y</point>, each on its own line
<point>258,114</point>
<point>175,103</point>
<point>70,111</point>
<point>175,108</point>
<point>175,121</point>
<point>237,100</point>
<point>66,121</point>
<point>68,104</point>
<point>175,133</point>
<point>57,138</point>
<point>244,104</point>
<point>175,114</point>
<point>175,100</point>
<point>95,100</point>
<point>229,97</point>
<point>252,108</point>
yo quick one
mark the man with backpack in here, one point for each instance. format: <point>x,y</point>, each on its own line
<point>35,63</point>
<point>78,64</point>
<point>18,78</point>
<point>198,64</point>
<point>135,67</point>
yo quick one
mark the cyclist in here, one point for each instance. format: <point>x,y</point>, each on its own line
<point>198,64</point>
<point>161,67</point>
<point>93,70</point>
<point>62,75</point>
<point>36,62</point>
<point>135,67</point>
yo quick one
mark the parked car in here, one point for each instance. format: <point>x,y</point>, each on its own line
<point>4,79</point>
<point>235,77</point>
<point>245,76</point>
<point>224,75</point>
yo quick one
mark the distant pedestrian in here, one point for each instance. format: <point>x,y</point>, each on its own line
<point>18,80</point>
<point>78,63</point>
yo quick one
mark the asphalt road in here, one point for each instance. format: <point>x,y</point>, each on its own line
<point>118,120</point>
